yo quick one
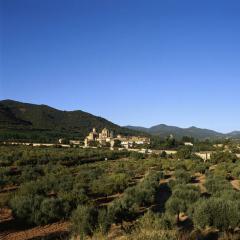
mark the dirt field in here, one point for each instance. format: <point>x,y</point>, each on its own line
<point>236,184</point>
<point>56,228</point>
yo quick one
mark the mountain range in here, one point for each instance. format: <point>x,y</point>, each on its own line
<point>31,121</point>
<point>199,133</point>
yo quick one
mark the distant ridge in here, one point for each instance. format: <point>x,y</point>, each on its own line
<point>199,133</point>
<point>32,121</point>
<point>21,117</point>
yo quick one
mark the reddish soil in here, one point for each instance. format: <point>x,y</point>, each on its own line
<point>5,214</point>
<point>60,227</point>
<point>201,179</point>
<point>11,230</point>
<point>8,189</point>
<point>236,184</point>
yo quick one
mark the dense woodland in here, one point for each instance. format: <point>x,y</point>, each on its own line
<point>143,196</point>
<point>41,123</point>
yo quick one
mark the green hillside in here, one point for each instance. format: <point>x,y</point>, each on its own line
<point>165,130</point>
<point>30,121</point>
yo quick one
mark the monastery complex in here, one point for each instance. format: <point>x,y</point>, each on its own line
<point>106,137</point>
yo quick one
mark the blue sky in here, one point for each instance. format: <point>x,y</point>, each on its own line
<point>131,61</point>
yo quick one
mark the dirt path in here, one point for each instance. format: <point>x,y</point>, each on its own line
<point>5,215</point>
<point>236,184</point>
<point>9,189</point>
<point>201,179</point>
<point>60,227</point>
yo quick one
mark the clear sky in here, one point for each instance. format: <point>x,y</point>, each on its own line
<point>131,61</point>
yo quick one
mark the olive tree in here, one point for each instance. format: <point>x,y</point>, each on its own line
<point>183,196</point>
<point>84,221</point>
<point>216,212</point>
<point>183,176</point>
<point>216,184</point>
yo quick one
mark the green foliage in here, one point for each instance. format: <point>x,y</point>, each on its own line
<point>183,196</point>
<point>36,209</point>
<point>219,213</point>
<point>50,191</point>
<point>104,221</point>
<point>154,227</point>
<point>157,221</point>
<point>200,168</point>
<point>182,176</point>
<point>136,155</point>
<point>30,173</point>
<point>228,194</point>
<point>220,157</point>
<point>24,206</point>
<point>84,220</point>
<point>43,123</point>
<point>142,194</point>
<point>74,197</point>
<point>52,183</point>
<point>188,139</point>
<point>111,184</point>
<point>163,154</point>
<point>236,172</point>
<point>163,144</point>
<point>184,152</point>
<point>117,144</point>
<point>25,163</point>
<point>217,184</point>
<point>224,170</point>
<point>203,146</point>
<point>53,209</point>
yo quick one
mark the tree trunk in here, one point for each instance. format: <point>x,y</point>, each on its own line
<point>178,217</point>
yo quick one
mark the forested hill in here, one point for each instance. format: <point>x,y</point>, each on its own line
<point>165,130</point>
<point>17,118</point>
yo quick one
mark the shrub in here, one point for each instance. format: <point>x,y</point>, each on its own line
<point>136,155</point>
<point>134,197</point>
<point>184,152</point>
<point>163,154</point>
<point>219,157</point>
<point>201,168</point>
<point>53,210</point>
<point>121,210</point>
<point>36,209</point>
<point>26,208</point>
<point>75,197</point>
<point>154,227</point>
<point>216,212</point>
<point>104,221</point>
<point>183,196</point>
<point>157,221</point>
<point>236,172</point>
<point>183,176</point>
<point>30,173</point>
<point>217,184</point>
<point>109,185</point>
<point>228,194</point>
<point>224,170</point>
<point>84,221</point>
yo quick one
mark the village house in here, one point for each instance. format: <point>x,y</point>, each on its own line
<point>188,144</point>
